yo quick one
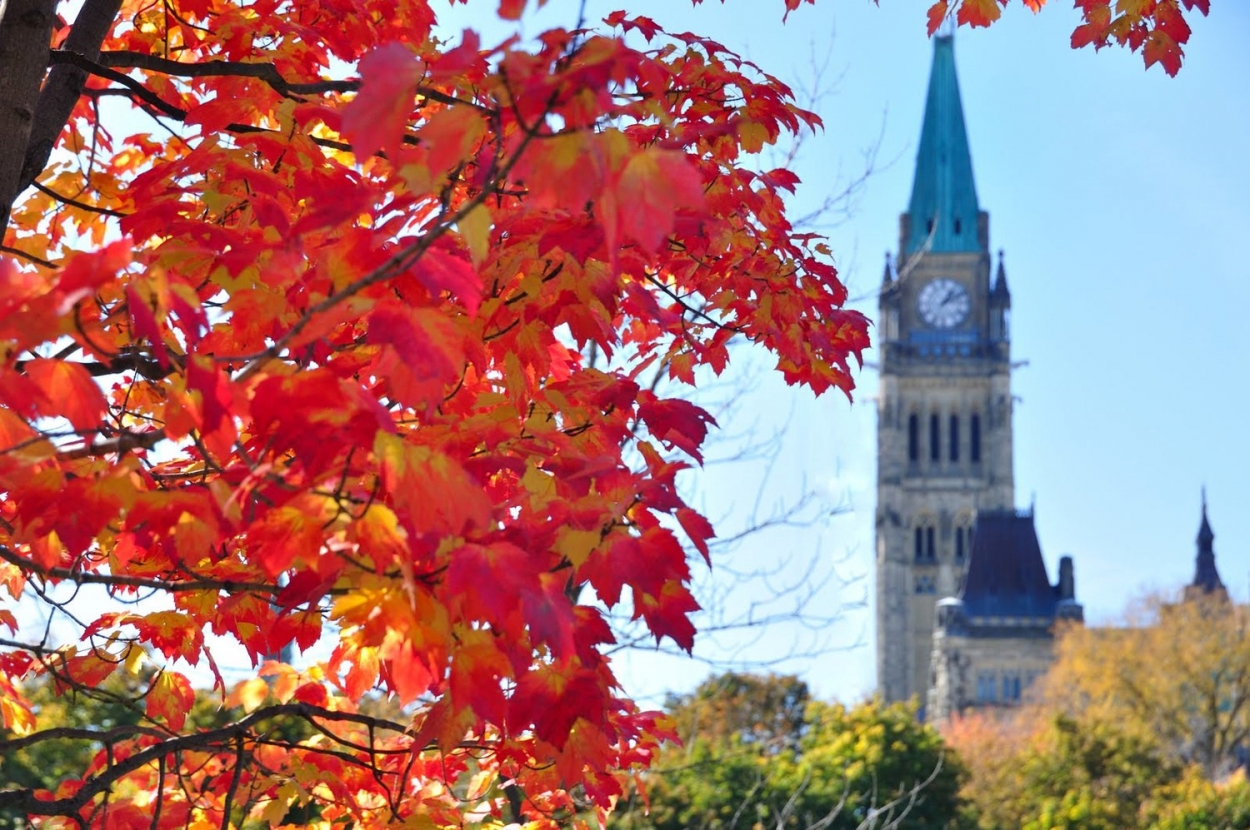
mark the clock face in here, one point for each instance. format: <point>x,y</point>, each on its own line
<point>943,303</point>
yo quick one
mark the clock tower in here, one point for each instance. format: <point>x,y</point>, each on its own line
<point>944,417</point>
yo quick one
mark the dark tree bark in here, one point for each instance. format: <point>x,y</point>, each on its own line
<point>33,111</point>
<point>25,35</point>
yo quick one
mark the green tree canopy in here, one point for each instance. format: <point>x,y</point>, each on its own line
<point>758,760</point>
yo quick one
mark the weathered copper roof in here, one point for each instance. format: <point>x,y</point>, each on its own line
<point>943,190</point>
<point>1006,573</point>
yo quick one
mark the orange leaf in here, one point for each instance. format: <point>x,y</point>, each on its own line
<point>978,12</point>
<point>69,391</point>
<point>173,633</point>
<point>430,491</point>
<point>170,698</point>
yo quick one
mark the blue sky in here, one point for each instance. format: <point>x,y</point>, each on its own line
<point>1122,200</point>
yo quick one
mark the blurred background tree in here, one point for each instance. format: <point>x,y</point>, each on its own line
<point>759,753</point>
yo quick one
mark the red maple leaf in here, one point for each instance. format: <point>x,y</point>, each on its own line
<point>377,118</point>
<point>675,422</point>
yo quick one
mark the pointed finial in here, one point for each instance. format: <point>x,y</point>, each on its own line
<point>889,270</point>
<point>1000,278</point>
<point>1205,534</point>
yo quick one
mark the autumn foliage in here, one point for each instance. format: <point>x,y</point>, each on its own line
<point>296,307</point>
<point>1156,28</point>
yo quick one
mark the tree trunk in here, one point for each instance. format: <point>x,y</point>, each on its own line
<point>25,35</point>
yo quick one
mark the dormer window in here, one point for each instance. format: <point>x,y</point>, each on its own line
<point>958,227</point>
<point>928,226</point>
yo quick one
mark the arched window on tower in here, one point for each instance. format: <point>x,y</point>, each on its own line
<point>935,438</point>
<point>925,544</point>
<point>963,543</point>
<point>974,439</point>
<point>954,438</point>
<point>913,437</point>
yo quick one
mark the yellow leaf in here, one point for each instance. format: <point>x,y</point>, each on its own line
<point>134,658</point>
<point>541,486</point>
<point>16,716</point>
<point>576,545</point>
<point>475,228</point>
<point>480,784</point>
<point>752,135</point>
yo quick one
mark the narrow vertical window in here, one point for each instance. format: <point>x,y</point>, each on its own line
<point>930,548</point>
<point>960,551</point>
<point>974,439</point>
<point>913,438</point>
<point>954,438</point>
<point>935,438</point>
<point>919,544</point>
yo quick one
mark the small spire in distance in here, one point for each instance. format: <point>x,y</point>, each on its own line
<point>1000,280</point>
<point>1205,535</point>
<point>888,276</point>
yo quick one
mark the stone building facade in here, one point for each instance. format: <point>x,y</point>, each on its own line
<point>995,638</point>
<point>992,640</point>
<point>944,432</point>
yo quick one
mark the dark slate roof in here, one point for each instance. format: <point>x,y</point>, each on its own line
<point>943,188</point>
<point>1206,577</point>
<point>1006,574</point>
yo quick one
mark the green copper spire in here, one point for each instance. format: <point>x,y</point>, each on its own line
<point>943,195</point>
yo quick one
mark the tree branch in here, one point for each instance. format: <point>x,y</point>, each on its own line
<point>266,72</point>
<point>82,578</point>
